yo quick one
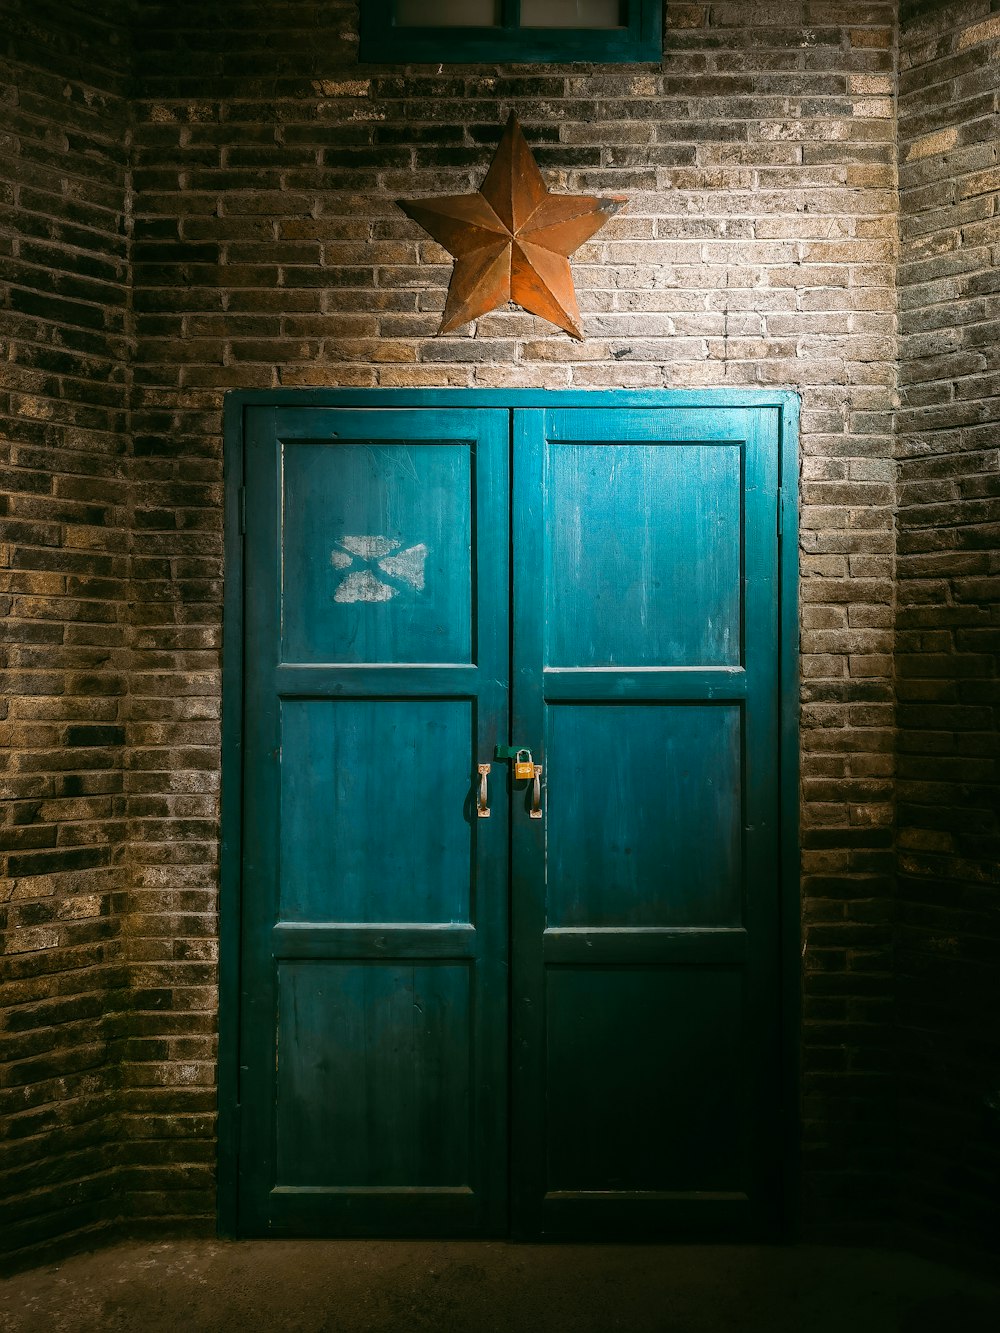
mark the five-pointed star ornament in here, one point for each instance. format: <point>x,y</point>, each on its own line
<point>512,240</point>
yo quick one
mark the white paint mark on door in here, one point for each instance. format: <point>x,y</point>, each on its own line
<point>361,585</point>
<point>369,548</point>
<point>408,565</point>
<point>387,567</point>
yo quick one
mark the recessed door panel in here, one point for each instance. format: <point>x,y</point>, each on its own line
<point>644,554</point>
<point>625,1113</point>
<point>374,1076</point>
<point>647,830</point>
<point>352,770</point>
<point>377,551</point>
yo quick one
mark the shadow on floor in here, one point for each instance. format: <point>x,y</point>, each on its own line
<point>494,1287</point>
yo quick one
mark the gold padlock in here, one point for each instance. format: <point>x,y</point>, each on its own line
<point>523,768</point>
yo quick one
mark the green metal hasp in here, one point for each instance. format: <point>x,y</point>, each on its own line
<point>508,751</point>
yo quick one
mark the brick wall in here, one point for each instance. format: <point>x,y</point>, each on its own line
<point>948,636</point>
<point>758,247</point>
<point>63,569</point>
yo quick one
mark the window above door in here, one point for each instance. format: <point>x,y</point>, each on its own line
<point>557,31</point>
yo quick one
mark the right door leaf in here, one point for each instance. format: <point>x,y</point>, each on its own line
<point>645,911</point>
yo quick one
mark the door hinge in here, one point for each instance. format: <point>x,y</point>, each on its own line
<point>781,511</point>
<point>243,510</point>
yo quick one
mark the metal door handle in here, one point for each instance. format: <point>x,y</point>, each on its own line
<point>483,804</point>
<point>536,794</point>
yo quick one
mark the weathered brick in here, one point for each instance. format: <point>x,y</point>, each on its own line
<point>62,414</point>
<point>947,742</point>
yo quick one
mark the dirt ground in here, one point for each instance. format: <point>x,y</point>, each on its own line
<point>201,1286</point>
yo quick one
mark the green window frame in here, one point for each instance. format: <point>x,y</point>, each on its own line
<point>641,39</point>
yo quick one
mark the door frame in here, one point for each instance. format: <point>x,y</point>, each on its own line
<point>786,404</point>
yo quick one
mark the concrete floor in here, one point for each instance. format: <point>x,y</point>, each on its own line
<point>422,1287</point>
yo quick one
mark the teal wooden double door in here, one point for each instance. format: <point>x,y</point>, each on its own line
<point>560,1017</point>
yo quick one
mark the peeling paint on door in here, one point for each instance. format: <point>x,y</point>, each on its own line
<point>408,565</point>
<point>363,586</point>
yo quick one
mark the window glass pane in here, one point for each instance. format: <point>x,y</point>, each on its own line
<point>447,13</point>
<point>573,14</point>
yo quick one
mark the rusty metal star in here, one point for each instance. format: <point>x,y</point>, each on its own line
<point>512,240</point>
